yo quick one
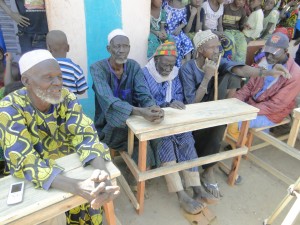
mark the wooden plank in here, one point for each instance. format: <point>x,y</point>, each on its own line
<point>110,213</point>
<point>278,144</point>
<point>293,213</point>
<point>294,132</point>
<point>270,169</point>
<point>194,113</point>
<point>128,191</point>
<point>296,113</point>
<point>149,174</point>
<point>131,164</point>
<point>153,134</point>
<point>142,167</point>
<point>264,144</point>
<point>130,141</point>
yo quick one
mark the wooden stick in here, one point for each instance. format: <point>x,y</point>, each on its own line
<point>216,79</point>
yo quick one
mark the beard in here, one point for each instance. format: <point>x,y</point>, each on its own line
<point>45,96</point>
<point>121,61</point>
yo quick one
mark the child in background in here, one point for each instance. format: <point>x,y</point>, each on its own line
<point>158,33</point>
<point>73,77</point>
<point>254,24</point>
<point>176,21</point>
<point>271,17</point>
<point>233,23</point>
<point>195,16</point>
<point>213,12</point>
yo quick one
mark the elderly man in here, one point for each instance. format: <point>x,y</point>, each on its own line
<point>43,122</point>
<point>163,81</point>
<point>274,96</point>
<point>198,86</point>
<point>120,91</point>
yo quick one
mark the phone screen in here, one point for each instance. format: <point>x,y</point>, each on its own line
<point>16,188</point>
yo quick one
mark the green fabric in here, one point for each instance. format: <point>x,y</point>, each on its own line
<point>2,92</point>
<point>239,49</point>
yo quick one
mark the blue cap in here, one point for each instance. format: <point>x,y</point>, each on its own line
<point>276,42</point>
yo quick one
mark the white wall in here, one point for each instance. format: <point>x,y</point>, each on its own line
<point>136,24</point>
<point>69,16</point>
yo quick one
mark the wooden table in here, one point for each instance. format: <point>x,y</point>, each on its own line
<point>194,117</point>
<point>40,205</point>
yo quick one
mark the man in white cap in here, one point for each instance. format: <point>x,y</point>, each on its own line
<point>42,122</point>
<point>198,86</point>
<point>120,91</point>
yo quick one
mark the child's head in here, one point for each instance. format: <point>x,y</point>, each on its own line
<point>57,43</point>
<point>196,3</point>
<point>269,4</point>
<point>239,3</point>
<point>156,3</point>
<point>255,3</point>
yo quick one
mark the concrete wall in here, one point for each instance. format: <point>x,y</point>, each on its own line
<point>87,24</point>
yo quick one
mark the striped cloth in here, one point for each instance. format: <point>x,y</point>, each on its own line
<point>73,77</point>
<point>179,147</point>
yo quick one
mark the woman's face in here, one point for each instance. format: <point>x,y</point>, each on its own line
<point>269,5</point>
<point>239,3</point>
<point>196,3</point>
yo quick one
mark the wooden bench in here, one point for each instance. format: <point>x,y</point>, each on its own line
<point>40,205</point>
<point>194,117</point>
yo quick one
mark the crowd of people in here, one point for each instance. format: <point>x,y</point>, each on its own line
<point>43,120</point>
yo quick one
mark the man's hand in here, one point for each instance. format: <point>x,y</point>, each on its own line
<point>209,68</point>
<point>177,105</point>
<point>153,114</point>
<point>280,70</point>
<point>162,35</point>
<point>8,56</point>
<point>22,21</point>
<point>98,189</point>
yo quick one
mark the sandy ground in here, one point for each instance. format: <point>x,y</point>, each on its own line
<point>246,204</point>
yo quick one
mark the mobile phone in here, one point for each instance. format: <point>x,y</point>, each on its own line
<point>15,194</point>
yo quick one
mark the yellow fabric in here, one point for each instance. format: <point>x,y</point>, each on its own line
<point>233,130</point>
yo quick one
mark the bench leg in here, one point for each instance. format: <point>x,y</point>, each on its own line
<point>110,213</point>
<point>142,167</point>
<point>236,160</point>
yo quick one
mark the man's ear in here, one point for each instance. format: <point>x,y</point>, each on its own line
<point>25,80</point>
<point>68,48</point>
<point>108,48</point>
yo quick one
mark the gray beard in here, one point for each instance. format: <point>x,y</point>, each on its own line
<point>118,61</point>
<point>44,97</point>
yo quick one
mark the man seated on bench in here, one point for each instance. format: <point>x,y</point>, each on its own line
<point>43,122</point>
<point>162,78</point>
<point>198,86</point>
<point>120,91</point>
<point>274,96</point>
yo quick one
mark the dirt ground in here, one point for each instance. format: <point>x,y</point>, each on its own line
<point>246,204</point>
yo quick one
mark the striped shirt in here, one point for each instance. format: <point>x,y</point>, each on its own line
<point>73,77</point>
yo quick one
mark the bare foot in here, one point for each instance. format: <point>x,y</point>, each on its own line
<point>190,205</point>
<point>209,182</point>
<point>202,196</point>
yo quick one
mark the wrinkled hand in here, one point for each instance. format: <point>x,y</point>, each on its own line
<point>98,189</point>
<point>177,31</point>
<point>153,114</point>
<point>22,21</point>
<point>209,68</point>
<point>8,56</point>
<point>280,70</point>
<point>177,105</point>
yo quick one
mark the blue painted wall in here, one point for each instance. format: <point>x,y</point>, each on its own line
<point>101,18</point>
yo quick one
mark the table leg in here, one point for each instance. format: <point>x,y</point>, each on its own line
<point>142,167</point>
<point>294,132</point>
<point>130,142</point>
<point>110,213</point>
<point>236,160</point>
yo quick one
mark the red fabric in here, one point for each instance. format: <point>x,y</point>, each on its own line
<point>279,100</point>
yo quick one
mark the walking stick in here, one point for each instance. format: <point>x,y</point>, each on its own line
<point>216,79</point>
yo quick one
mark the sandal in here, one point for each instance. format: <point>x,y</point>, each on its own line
<point>212,189</point>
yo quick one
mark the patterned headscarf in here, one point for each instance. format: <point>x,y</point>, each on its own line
<point>203,36</point>
<point>167,48</point>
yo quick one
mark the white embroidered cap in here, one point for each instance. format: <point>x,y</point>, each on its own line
<point>32,58</point>
<point>114,33</point>
<point>203,36</point>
